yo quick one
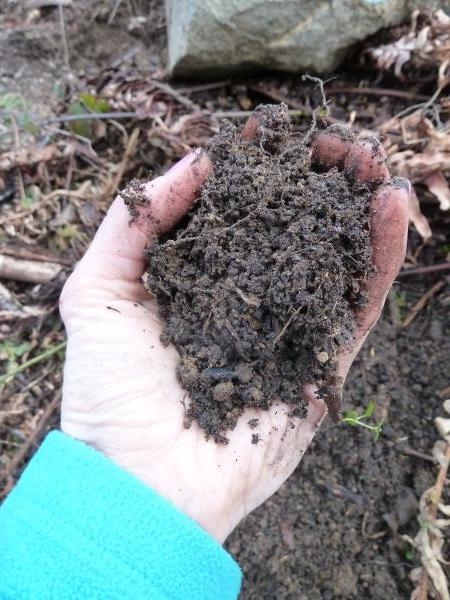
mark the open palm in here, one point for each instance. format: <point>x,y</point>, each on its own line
<point>121,394</point>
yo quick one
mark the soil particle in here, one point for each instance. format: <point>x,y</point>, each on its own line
<point>260,283</point>
<point>134,197</point>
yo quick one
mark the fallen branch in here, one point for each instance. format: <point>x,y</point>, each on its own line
<point>29,271</point>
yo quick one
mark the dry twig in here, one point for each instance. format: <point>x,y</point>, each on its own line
<point>422,303</point>
<point>31,271</point>
<point>424,270</point>
<point>7,474</point>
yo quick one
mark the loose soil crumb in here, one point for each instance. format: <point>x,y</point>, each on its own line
<point>134,197</point>
<point>259,285</point>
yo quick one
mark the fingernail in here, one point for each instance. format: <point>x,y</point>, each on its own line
<point>181,164</point>
<point>401,183</point>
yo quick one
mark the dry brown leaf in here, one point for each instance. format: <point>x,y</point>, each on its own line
<point>424,45</point>
<point>420,151</point>
<point>438,186</point>
<point>416,217</point>
<point>31,156</point>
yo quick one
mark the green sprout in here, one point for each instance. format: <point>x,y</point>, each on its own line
<point>10,353</point>
<point>409,555</point>
<point>356,420</point>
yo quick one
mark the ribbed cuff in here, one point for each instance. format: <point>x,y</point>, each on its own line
<point>78,526</point>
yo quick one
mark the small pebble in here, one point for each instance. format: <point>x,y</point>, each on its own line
<point>323,357</point>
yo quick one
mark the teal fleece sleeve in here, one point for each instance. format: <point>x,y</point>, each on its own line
<point>79,527</point>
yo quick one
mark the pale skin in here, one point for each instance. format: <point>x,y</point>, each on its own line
<point>121,393</point>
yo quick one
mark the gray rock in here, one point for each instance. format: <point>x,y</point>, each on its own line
<point>217,37</point>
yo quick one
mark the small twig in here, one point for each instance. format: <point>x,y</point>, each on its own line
<point>274,95</point>
<point>26,254</point>
<point>248,299</point>
<point>17,145</point>
<point>113,185</point>
<point>375,92</point>
<point>204,87</point>
<point>89,116</point>
<point>416,454</point>
<point>165,87</point>
<point>7,473</point>
<point>444,393</point>
<point>286,325</point>
<point>244,114</point>
<point>32,361</point>
<point>428,269</point>
<point>63,33</point>
<point>113,12</point>
<point>422,303</point>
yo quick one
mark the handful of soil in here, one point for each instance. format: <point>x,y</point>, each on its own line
<point>259,285</point>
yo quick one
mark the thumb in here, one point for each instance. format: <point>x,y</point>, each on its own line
<point>117,250</point>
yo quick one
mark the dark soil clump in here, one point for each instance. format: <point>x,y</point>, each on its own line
<point>259,286</point>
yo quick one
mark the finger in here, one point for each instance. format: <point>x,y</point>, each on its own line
<point>117,250</point>
<point>366,161</point>
<point>250,129</point>
<point>388,236</point>
<point>331,147</point>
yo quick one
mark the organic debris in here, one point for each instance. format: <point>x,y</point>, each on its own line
<point>430,539</point>
<point>427,44</point>
<point>417,140</point>
<point>419,150</point>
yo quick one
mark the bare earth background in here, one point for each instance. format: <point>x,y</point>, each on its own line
<point>335,529</point>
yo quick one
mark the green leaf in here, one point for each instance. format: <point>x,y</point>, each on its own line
<point>29,125</point>
<point>9,350</point>
<point>94,104</point>
<point>83,127</point>
<point>351,415</point>
<point>369,409</point>
<point>13,102</point>
<point>409,555</point>
<point>86,104</point>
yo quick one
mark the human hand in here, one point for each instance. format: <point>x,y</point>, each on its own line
<point>121,394</point>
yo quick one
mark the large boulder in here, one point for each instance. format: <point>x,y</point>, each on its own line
<point>217,37</point>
